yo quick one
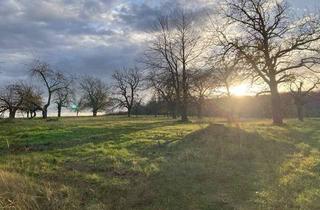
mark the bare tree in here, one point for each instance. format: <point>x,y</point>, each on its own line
<point>175,49</point>
<point>300,93</point>
<point>202,85</point>
<point>53,81</point>
<point>63,98</point>
<point>11,98</point>
<point>127,84</point>
<point>227,73</point>
<point>94,94</point>
<point>264,34</point>
<point>32,102</point>
<point>163,87</point>
<point>77,105</point>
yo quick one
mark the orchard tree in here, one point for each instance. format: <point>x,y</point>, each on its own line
<point>32,102</point>
<point>95,94</point>
<point>62,99</point>
<point>300,91</point>
<point>52,80</point>
<point>274,45</point>
<point>11,98</point>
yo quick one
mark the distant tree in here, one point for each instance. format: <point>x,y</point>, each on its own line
<point>94,94</point>
<point>77,105</point>
<point>300,93</point>
<point>63,98</point>
<point>32,102</point>
<point>11,98</point>
<point>127,84</point>
<point>270,41</point>
<point>53,81</point>
<point>226,73</point>
<point>202,86</point>
<point>164,89</point>
<point>153,106</point>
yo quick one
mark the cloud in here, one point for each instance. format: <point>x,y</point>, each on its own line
<point>80,36</point>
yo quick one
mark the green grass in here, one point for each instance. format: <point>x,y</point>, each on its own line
<point>156,163</point>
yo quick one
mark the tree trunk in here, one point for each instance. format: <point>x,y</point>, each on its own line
<point>200,106</point>
<point>300,112</point>
<point>229,105</point>
<point>94,113</point>
<point>184,105</point>
<point>199,111</point>
<point>129,112</point>
<point>174,108</point>
<point>174,114</point>
<point>45,113</point>
<point>28,114</point>
<point>59,110</point>
<point>276,105</point>
<point>45,107</point>
<point>231,118</point>
<point>12,113</point>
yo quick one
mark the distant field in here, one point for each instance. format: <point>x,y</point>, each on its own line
<point>157,163</point>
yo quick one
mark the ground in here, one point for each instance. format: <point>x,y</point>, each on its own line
<point>158,163</point>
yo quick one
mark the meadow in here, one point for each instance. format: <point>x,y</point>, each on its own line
<point>158,163</point>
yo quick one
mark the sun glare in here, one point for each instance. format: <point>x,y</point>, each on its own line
<point>240,90</point>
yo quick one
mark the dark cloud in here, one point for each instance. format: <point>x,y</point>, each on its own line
<point>80,36</point>
<point>139,17</point>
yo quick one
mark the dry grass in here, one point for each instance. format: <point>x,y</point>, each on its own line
<point>22,193</point>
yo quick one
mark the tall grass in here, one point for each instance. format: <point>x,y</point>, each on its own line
<point>22,193</point>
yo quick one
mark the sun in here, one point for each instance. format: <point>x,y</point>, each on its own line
<point>240,90</point>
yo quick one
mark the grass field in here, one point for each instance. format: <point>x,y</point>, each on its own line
<point>157,163</point>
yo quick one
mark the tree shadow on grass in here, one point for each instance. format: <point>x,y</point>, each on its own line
<point>305,132</point>
<point>217,168</point>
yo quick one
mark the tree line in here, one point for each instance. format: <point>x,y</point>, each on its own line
<point>189,60</point>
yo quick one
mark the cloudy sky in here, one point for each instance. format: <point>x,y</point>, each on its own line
<point>83,36</point>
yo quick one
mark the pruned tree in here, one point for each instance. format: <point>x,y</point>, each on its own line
<point>264,34</point>
<point>11,98</point>
<point>32,102</point>
<point>53,81</point>
<point>300,91</point>
<point>63,98</point>
<point>94,94</point>
<point>176,47</point>
<point>127,83</point>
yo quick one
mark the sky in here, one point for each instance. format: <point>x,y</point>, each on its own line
<point>93,37</point>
